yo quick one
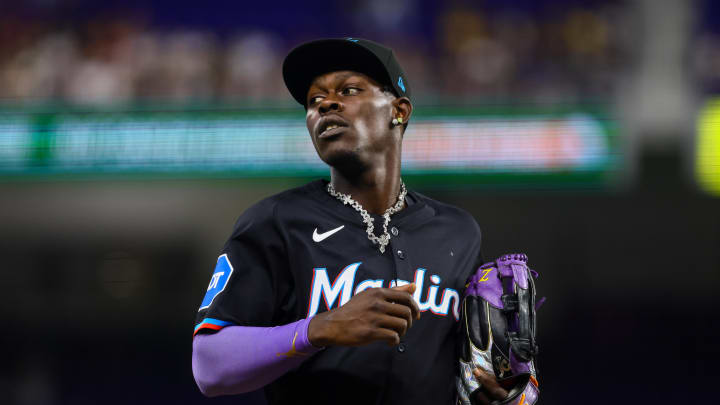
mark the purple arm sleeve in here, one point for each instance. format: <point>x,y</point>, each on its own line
<point>240,359</point>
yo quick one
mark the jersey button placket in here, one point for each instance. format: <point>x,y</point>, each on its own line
<point>394,231</point>
<point>403,271</point>
<point>401,256</point>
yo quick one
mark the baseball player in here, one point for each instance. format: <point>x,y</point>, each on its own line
<point>347,291</point>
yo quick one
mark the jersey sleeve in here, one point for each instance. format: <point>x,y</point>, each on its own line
<point>251,281</point>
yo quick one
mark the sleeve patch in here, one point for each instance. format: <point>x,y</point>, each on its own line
<point>218,281</point>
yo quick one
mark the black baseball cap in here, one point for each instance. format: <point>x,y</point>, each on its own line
<point>311,59</point>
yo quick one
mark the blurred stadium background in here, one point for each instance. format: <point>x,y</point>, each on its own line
<point>133,133</point>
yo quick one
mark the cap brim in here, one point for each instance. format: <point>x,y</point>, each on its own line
<point>310,60</point>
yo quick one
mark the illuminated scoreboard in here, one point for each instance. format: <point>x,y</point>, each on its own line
<point>467,145</point>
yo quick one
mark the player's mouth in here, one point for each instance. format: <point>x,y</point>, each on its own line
<point>330,126</point>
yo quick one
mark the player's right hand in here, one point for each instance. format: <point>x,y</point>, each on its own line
<point>383,314</point>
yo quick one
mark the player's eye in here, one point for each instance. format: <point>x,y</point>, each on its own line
<point>350,91</point>
<point>314,100</point>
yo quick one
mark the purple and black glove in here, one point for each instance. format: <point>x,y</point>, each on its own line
<point>498,330</point>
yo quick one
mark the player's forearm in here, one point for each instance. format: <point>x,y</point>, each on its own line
<point>240,359</point>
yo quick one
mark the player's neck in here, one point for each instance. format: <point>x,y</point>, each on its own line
<point>376,189</point>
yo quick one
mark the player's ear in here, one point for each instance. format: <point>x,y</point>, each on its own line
<point>403,109</point>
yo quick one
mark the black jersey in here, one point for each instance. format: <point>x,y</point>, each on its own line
<point>302,251</point>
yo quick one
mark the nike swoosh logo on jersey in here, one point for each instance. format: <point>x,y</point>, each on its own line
<point>319,237</point>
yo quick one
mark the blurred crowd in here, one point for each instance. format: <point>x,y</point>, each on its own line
<point>474,54</point>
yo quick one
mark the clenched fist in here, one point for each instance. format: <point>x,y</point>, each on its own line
<point>375,314</point>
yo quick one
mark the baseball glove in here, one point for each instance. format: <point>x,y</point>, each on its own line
<point>498,330</point>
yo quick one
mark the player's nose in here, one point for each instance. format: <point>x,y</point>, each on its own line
<point>328,105</point>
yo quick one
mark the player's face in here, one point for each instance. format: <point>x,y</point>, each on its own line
<point>349,119</point>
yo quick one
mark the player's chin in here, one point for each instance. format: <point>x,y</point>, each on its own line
<point>346,160</point>
<point>340,144</point>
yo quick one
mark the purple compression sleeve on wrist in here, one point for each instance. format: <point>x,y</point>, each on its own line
<point>240,359</point>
